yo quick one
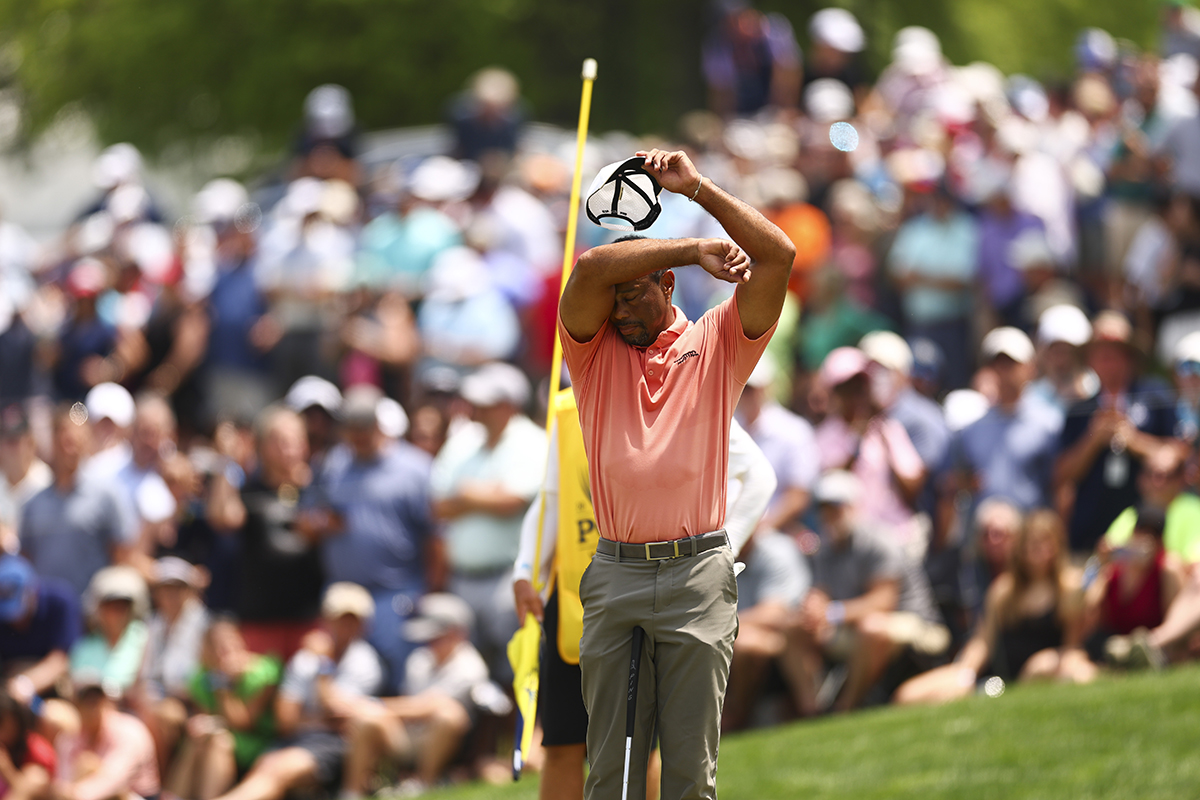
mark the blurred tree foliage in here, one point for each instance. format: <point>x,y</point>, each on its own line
<point>161,71</point>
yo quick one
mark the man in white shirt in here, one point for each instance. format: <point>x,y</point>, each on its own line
<point>483,480</point>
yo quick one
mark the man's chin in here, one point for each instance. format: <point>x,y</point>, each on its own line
<point>640,339</point>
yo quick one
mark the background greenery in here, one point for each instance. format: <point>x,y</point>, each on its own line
<point>1122,738</point>
<point>158,72</point>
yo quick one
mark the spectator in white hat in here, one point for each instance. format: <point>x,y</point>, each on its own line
<point>110,409</point>
<point>837,39</point>
<point>1062,332</point>
<point>1010,452</point>
<point>319,403</point>
<point>116,604</point>
<point>484,478</point>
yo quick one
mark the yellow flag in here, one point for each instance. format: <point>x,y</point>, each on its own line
<point>577,533</point>
<point>523,655</point>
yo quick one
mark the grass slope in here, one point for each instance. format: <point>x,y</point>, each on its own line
<point>1122,737</point>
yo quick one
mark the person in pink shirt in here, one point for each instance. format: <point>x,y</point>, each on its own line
<point>858,437</point>
<point>112,755</point>
<point>656,394</point>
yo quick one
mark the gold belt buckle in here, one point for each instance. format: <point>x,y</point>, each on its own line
<point>650,557</point>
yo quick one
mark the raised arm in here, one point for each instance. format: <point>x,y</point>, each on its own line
<point>760,296</point>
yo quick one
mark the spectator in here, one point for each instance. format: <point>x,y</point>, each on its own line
<point>86,344</point>
<point>1181,150</point>
<point>27,760</point>
<point>427,724</point>
<point>327,682</point>
<point>1137,586</point>
<point>116,602</point>
<point>933,261</point>
<point>1161,486</point>
<point>488,117</point>
<point>1000,226</point>
<point>1187,385</point>
<point>110,410</point>
<point>76,526</point>
<point>279,588</point>
<point>837,39</point>
<point>40,621</point>
<point>787,440</point>
<point>1105,437</point>
<point>867,604</point>
<point>140,478</point>
<point>319,402</point>
<point>112,755</point>
<point>175,632</point>
<point>465,321</point>
<point>1010,452</point>
<point>996,527</point>
<point>1031,627</point>
<point>1065,380</point>
<point>855,436</point>
<point>234,691</point>
<point>22,473</point>
<point>380,533</point>
<point>483,480</point>
<point>751,61</point>
<point>326,147</point>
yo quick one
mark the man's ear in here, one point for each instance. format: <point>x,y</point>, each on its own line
<point>668,284</point>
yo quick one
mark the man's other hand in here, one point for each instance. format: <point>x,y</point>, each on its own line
<point>673,170</point>
<point>723,259</point>
<point>528,601</point>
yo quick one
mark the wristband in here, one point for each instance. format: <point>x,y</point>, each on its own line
<point>835,612</point>
<point>696,193</point>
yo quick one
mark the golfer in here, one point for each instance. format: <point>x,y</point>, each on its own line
<point>656,394</point>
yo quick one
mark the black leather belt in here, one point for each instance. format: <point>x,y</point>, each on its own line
<point>660,551</point>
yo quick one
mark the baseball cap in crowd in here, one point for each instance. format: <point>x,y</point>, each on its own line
<point>837,487</point>
<point>495,383</point>
<point>888,350</point>
<point>172,569</point>
<point>344,598</point>
<point>1007,341</point>
<point>841,365</point>
<point>360,406</point>
<point>828,100</point>
<point>1064,323</point>
<point>328,111</point>
<point>18,581</point>
<point>963,407</point>
<point>312,391</point>
<point>624,196</point>
<point>118,583</point>
<point>441,179</point>
<point>1114,328</point>
<point>87,278</point>
<point>13,422</point>
<point>1187,349</point>
<point>391,417</point>
<point>220,200</point>
<point>110,401</point>
<point>438,614</point>
<point>837,28</point>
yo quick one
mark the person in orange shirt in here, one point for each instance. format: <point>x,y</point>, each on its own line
<point>656,394</point>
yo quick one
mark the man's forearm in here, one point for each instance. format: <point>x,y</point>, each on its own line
<point>754,233</point>
<point>621,262</point>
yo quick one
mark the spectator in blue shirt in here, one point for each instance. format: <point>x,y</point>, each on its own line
<point>379,529</point>
<point>40,620</point>
<point>77,525</point>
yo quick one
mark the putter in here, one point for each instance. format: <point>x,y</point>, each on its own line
<point>631,708</point>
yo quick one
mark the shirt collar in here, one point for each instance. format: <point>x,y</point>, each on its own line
<point>674,330</point>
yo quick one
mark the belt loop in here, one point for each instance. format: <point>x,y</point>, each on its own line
<point>693,539</point>
<point>617,547</point>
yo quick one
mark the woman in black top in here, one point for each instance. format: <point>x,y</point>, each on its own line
<point>1031,626</point>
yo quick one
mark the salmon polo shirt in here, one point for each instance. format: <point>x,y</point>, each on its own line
<point>656,422</point>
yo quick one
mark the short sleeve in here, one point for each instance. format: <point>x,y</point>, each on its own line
<point>741,352</point>
<point>580,356</point>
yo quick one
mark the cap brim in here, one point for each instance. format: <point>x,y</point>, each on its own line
<point>421,630</point>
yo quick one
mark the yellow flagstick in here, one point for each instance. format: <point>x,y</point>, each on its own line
<point>524,646</point>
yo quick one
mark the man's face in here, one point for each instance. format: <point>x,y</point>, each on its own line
<point>1112,364</point>
<point>71,444</point>
<point>364,440</point>
<point>642,309</point>
<point>1162,478</point>
<point>1011,375</point>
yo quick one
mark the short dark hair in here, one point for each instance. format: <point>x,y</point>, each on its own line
<point>1151,519</point>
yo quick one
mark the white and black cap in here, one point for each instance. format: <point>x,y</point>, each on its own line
<point>624,196</point>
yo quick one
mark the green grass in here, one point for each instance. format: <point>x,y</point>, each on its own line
<point>1122,737</point>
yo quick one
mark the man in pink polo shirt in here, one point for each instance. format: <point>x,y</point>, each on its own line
<point>656,394</point>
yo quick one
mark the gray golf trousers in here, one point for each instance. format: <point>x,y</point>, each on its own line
<point>688,609</point>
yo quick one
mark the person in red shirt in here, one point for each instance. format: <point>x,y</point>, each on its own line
<point>27,760</point>
<point>656,394</point>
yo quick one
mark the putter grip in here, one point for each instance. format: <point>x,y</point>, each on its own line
<point>634,669</point>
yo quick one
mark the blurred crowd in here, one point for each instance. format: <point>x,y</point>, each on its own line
<point>264,465</point>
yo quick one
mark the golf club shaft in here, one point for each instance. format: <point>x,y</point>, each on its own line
<point>635,661</point>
